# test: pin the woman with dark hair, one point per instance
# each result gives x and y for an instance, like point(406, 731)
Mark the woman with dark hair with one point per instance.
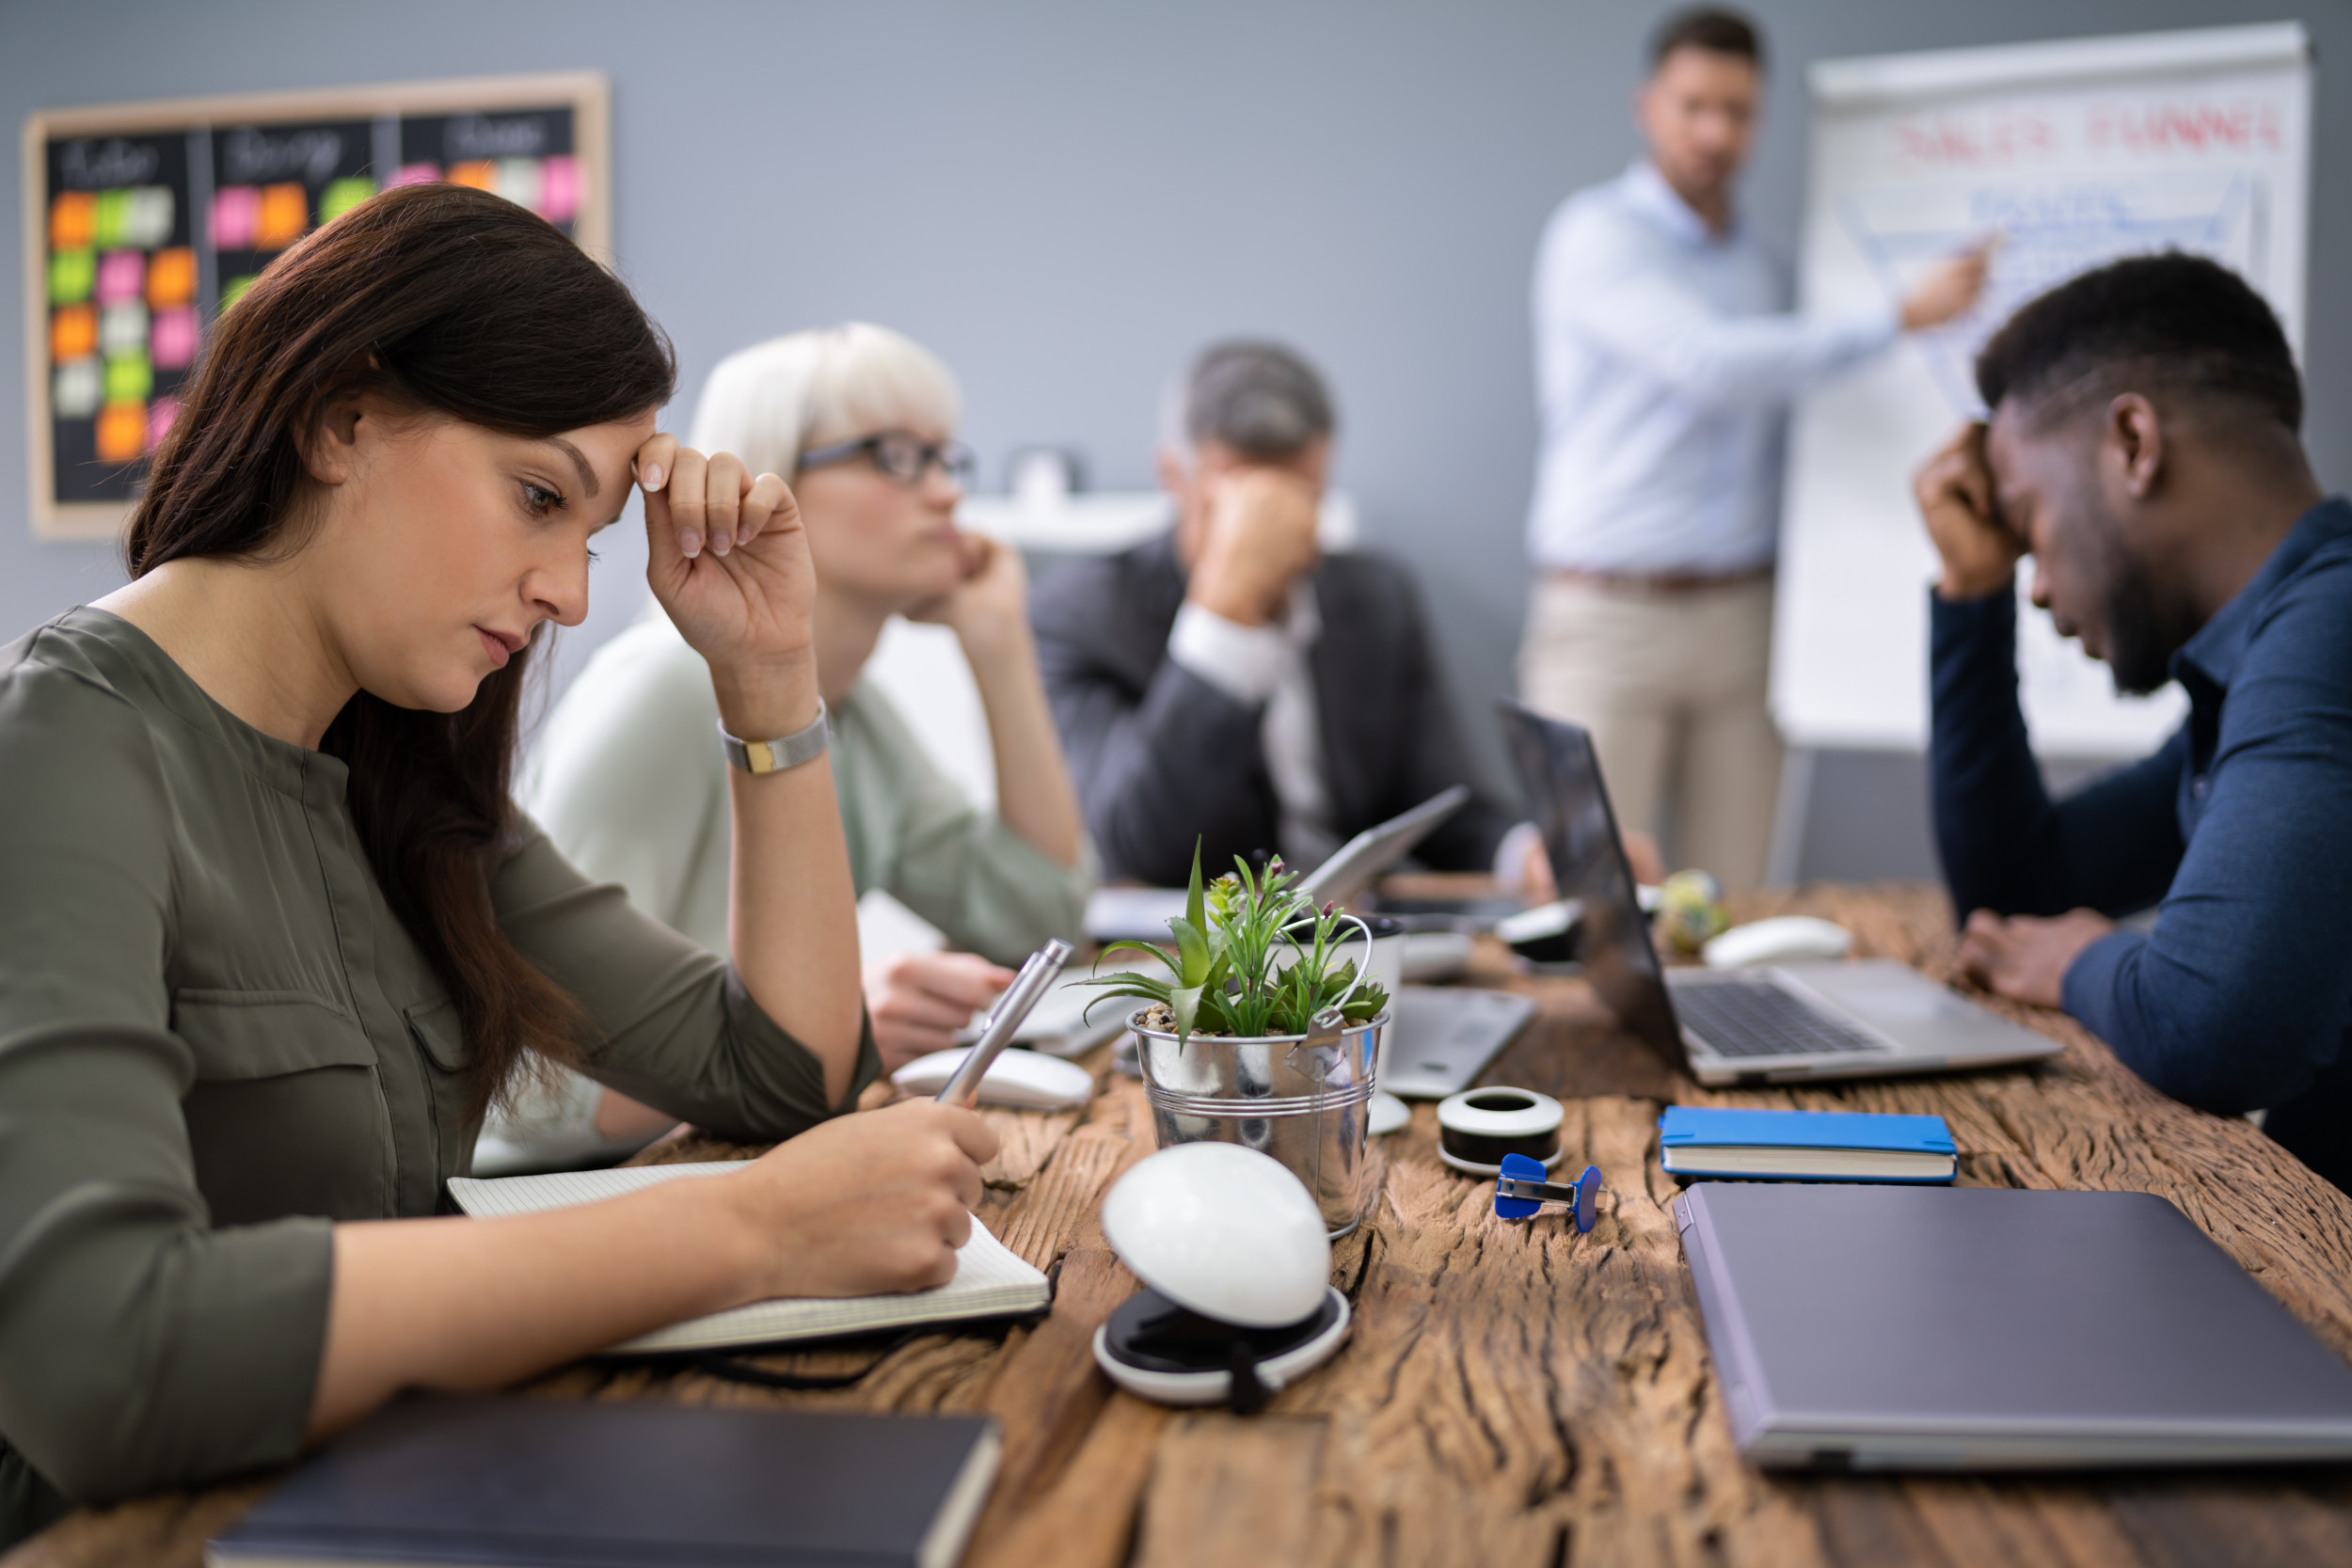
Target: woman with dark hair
point(272, 937)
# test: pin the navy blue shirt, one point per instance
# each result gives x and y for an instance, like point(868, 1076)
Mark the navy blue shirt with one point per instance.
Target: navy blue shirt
point(2238, 830)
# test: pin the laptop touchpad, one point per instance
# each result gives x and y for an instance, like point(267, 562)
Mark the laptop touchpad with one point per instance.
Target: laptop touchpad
point(1883, 991)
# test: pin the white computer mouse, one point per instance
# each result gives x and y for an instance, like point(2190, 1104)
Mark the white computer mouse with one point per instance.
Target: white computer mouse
point(1432, 957)
point(1221, 1230)
point(1779, 940)
point(1555, 919)
point(1021, 1079)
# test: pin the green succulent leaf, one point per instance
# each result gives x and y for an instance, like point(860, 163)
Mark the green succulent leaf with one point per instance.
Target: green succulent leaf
point(1193, 948)
point(1185, 1004)
point(1193, 912)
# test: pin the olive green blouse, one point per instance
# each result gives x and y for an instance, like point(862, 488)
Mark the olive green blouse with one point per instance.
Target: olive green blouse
point(216, 1038)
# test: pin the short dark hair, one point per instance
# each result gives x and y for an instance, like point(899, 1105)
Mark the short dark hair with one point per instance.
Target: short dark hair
point(2171, 323)
point(1258, 398)
point(1708, 27)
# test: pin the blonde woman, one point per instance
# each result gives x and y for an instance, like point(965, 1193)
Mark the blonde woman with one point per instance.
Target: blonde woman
point(626, 779)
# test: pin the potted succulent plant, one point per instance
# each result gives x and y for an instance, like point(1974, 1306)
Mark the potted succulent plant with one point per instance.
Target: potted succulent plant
point(1260, 1033)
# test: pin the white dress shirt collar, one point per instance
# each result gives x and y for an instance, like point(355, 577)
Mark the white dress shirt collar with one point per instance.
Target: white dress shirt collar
point(1270, 665)
point(1648, 193)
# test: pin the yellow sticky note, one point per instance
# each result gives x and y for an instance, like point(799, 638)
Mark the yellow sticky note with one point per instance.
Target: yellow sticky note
point(72, 274)
point(341, 196)
point(130, 378)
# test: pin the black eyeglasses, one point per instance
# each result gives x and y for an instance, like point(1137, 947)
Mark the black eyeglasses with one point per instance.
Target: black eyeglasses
point(903, 457)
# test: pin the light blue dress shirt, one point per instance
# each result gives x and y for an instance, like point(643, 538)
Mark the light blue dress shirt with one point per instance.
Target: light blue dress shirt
point(1665, 362)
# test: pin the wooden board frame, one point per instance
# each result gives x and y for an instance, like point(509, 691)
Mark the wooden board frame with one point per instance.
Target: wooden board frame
point(587, 94)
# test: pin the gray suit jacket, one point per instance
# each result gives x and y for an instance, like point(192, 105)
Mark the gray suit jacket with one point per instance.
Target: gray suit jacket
point(1161, 756)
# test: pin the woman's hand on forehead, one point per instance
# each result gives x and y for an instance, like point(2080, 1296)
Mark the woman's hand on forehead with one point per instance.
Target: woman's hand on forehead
point(727, 554)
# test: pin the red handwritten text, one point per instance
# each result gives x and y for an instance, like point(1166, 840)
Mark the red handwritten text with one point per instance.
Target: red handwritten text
point(1989, 138)
point(2236, 125)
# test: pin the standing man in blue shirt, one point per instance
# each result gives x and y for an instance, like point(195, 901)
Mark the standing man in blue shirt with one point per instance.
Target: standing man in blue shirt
point(1665, 362)
point(2143, 449)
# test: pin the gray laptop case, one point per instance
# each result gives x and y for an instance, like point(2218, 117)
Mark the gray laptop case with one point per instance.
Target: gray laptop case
point(1872, 1327)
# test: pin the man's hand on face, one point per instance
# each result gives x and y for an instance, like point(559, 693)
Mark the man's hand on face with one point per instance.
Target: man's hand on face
point(1954, 489)
point(1261, 539)
point(2025, 957)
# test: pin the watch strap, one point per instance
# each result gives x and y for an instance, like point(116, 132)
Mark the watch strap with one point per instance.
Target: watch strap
point(774, 757)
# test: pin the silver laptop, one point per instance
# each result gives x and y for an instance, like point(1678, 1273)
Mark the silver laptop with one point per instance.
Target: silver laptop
point(1895, 1328)
point(1440, 1037)
point(1862, 1019)
point(1142, 914)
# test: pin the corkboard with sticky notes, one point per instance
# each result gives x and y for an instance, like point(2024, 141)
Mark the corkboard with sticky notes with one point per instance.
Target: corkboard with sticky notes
point(143, 222)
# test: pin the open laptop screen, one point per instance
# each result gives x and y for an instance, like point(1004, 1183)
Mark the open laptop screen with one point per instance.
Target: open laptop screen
point(1353, 866)
point(1561, 778)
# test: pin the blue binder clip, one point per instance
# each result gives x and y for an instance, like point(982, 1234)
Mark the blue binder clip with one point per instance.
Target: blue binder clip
point(1520, 1190)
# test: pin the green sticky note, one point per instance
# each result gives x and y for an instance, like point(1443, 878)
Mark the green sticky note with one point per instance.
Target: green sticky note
point(235, 288)
point(128, 377)
point(114, 217)
point(341, 196)
point(71, 276)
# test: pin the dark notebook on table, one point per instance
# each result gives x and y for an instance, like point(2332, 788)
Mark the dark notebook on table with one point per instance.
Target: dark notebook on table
point(492, 1479)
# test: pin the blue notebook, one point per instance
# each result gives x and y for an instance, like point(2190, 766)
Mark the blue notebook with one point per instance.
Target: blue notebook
point(1805, 1146)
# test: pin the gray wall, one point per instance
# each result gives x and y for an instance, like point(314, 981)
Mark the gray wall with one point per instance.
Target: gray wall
point(1064, 199)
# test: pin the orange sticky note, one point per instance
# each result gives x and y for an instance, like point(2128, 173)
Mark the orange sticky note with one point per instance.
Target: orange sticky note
point(122, 431)
point(73, 333)
point(170, 278)
point(73, 221)
point(285, 218)
point(482, 175)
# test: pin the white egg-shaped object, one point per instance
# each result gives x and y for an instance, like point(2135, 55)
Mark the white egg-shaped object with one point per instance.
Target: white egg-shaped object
point(1222, 1230)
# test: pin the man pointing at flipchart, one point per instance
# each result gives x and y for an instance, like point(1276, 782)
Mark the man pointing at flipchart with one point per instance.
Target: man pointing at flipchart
point(1665, 363)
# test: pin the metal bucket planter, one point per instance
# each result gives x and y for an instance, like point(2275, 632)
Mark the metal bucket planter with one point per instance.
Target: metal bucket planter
point(1303, 1098)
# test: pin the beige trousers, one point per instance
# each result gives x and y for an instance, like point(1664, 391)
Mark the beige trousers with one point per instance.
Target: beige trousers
point(1671, 685)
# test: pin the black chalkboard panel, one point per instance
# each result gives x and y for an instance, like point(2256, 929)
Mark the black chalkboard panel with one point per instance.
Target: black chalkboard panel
point(151, 219)
point(525, 155)
point(273, 184)
point(119, 279)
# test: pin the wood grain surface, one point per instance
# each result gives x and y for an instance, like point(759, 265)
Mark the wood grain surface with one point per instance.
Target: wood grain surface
point(1517, 1394)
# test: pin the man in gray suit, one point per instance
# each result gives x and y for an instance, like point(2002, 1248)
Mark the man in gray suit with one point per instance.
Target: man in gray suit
point(1229, 682)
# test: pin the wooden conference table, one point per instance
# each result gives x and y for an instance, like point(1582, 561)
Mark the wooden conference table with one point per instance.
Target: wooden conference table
point(1517, 1394)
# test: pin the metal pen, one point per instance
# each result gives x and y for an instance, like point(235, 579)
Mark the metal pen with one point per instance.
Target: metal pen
point(1013, 1008)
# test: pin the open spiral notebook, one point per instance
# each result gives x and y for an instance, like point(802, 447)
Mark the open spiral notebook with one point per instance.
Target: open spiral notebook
point(991, 1281)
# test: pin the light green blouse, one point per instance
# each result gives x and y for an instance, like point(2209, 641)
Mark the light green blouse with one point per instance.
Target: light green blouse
point(216, 1039)
point(629, 782)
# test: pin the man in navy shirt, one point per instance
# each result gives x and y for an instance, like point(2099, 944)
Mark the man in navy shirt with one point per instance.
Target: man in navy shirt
point(2143, 449)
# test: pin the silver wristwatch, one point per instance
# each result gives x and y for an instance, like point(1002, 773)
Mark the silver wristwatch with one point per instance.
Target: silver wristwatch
point(774, 757)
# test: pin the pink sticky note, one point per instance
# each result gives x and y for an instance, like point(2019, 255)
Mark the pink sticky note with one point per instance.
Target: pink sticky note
point(416, 174)
point(121, 274)
point(236, 212)
point(171, 339)
point(159, 419)
point(559, 188)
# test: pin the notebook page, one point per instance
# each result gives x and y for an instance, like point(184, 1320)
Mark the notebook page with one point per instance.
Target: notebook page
point(991, 1280)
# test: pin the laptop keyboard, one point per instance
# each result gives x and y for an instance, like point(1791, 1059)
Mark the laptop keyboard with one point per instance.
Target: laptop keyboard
point(1752, 1017)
